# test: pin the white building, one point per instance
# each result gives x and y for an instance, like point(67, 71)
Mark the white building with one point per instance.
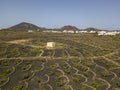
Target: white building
point(47, 31)
point(30, 31)
point(92, 31)
point(102, 32)
point(50, 45)
point(111, 33)
point(53, 31)
point(83, 31)
point(68, 31)
point(108, 32)
point(76, 31)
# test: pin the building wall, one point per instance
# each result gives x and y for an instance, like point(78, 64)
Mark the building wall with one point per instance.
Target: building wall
point(50, 44)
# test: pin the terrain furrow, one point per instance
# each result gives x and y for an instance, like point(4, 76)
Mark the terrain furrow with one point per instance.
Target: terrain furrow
point(76, 70)
point(13, 70)
point(64, 76)
point(116, 89)
point(90, 86)
point(57, 65)
point(115, 75)
point(61, 71)
point(67, 53)
point(26, 85)
point(29, 66)
point(76, 73)
point(20, 62)
point(5, 82)
point(67, 79)
point(70, 87)
point(48, 79)
point(42, 51)
point(117, 64)
point(42, 67)
point(33, 74)
point(51, 88)
point(105, 82)
point(53, 53)
point(101, 67)
point(93, 74)
point(68, 64)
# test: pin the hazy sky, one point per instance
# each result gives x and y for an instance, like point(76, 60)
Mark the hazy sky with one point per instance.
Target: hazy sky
point(104, 14)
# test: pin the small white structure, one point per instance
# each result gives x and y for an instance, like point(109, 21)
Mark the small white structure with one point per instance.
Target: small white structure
point(92, 32)
point(111, 33)
point(38, 29)
point(53, 31)
point(30, 31)
point(76, 31)
point(101, 33)
point(47, 31)
point(50, 45)
point(83, 31)
point(68, 31)
point(108, 32)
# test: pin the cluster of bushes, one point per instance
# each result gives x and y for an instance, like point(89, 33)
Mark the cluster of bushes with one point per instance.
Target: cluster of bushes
point(60, 81)
point(18, 87)
point(5, 73)
point(118, 84)
point(105, 74)
point(95, 85)
point(26, 76)
point(66, 69)
point(76, 78)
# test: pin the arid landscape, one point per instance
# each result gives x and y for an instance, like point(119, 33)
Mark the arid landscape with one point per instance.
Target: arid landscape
point(77, 61)
point(59, 44)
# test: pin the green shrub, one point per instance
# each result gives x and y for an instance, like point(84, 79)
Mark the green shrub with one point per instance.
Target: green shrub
point(66, 69)
point(37, 69)
point(58, 74)
point(25, 76)
point(51, 73)
point(82, 88)
point(1, 82)
point(76, 78)
point(87, 74)
point(5, 73)
point(25, 67)
point(60, 81)
point(105, 74)
point(49, 53)
point(18, 87)
point(84, 69)
point(53, 66)
point(95, 85)
point(5, 63)
point(16, 62)
point(8, 71)
point(40, 88)
point(118, 84)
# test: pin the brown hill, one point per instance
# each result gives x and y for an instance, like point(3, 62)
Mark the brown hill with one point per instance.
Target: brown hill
point(24, 26)
point(69, 27)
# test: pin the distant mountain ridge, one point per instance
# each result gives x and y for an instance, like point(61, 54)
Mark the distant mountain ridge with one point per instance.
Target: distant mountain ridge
point(29, 26)
point(25, 26)
point(92, 29)
point(69, 27)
